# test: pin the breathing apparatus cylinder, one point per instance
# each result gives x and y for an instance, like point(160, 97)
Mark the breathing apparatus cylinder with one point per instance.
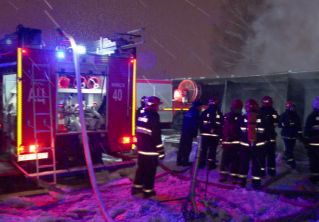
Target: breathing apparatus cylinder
point(252, 125)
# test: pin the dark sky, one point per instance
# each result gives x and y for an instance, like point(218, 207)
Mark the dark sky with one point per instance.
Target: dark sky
point(178, 33)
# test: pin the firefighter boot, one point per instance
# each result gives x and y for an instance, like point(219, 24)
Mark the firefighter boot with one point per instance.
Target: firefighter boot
point(272, 172)
point(256, 184)
point(263, 172)
point(223, 177)
point(212, 165)
point(233, 179)
point(242, 182)
point(137, 192)
point(149, 194)
point(291, 163)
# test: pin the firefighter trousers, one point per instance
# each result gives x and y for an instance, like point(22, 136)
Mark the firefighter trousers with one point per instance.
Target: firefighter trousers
point(289, 152)
point(313, 154)
point(185, 148)
point(253, 153)
point(209, 143)
point(230, 161)
point(269, 159)
point(145, 173)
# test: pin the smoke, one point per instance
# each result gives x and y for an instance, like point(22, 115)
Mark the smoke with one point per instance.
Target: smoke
point(286, 38)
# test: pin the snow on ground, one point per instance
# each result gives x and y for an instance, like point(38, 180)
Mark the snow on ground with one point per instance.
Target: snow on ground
point(80, 205)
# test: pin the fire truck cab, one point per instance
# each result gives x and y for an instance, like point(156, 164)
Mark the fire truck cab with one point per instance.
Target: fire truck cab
point(39, 106)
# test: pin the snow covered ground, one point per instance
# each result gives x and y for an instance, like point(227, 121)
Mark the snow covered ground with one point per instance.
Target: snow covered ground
point(219, 205)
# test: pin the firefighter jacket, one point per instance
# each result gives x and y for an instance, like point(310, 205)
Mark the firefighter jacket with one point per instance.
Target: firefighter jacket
point(290, 123)
point(271, 121)
point(191, 122)
point(311, 132)
point(242, 127)
point(148, 132)
point(140, 110)
point(211, 121)
point(229, 133)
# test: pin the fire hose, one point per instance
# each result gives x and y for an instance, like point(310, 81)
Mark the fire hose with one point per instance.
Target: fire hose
point(93, 82)
point(88, 158)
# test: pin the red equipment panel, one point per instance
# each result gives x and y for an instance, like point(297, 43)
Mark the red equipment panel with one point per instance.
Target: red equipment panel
point(38, 64)
point(119, 100)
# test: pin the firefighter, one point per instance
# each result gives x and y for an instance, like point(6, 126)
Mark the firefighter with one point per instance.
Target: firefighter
point(251, 126)
point(311, 138)
point(271, 117)
point(230, 143)
point(210, 130)
point(290, 123)
point(150, 148)
point(189, 132)
point(141, 108)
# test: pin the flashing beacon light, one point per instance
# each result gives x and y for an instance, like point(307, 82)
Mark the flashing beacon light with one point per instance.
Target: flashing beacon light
point(81, 49)
point(60, 55)
point(177, 94)
point(181, 95)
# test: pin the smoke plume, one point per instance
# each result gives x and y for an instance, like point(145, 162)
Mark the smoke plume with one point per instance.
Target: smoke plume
point(286, 38)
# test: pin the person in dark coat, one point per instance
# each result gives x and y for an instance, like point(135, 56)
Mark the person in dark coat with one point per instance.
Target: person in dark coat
point(141, 108)
point(230, 142)
point(150, 148)
point(252, 140)
point(271, 116)
point(290, 123)
point(311, 139)
point(189, 132)
point(210, 130)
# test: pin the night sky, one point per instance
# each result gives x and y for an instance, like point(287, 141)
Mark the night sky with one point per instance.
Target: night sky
point(177, 33)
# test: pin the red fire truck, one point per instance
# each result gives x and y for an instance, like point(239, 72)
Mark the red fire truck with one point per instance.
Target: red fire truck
point(175, 103)
point(40, 114)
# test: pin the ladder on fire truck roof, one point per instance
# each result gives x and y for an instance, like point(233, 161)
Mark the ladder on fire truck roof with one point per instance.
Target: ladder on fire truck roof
point(40, 83)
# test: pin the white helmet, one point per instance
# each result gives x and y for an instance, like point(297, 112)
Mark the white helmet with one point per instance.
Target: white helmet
point(315, 103)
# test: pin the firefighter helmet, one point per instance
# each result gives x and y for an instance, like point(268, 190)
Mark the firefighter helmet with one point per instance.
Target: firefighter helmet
point(289, 103)
point(267, 101)
point(152, 103)
point(251, 105)
point(143, 100)
point(213, 101)
point(237, 103)
point(315, 103)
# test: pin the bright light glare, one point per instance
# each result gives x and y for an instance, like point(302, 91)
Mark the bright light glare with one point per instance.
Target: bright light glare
point(81, 49)
point(134, 139)
point(61, 55)
point(32, 148)
point(8, 41)
point(126, 140)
